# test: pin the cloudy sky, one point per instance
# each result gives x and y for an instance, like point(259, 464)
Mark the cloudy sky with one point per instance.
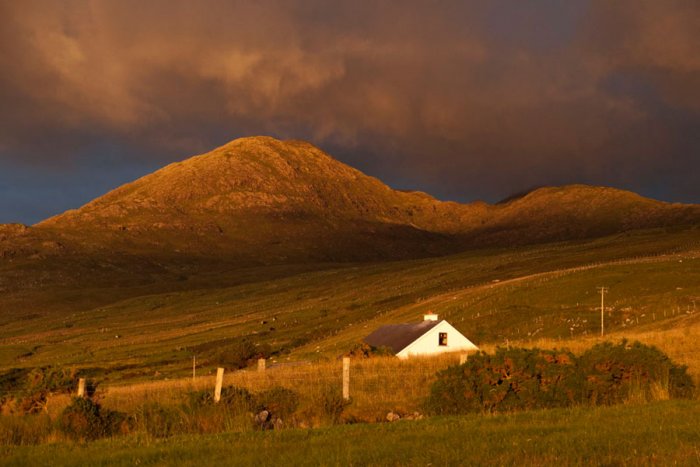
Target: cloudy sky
point(464, 100)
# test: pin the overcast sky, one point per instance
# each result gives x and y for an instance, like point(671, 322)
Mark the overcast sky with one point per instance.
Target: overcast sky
point(464, 100)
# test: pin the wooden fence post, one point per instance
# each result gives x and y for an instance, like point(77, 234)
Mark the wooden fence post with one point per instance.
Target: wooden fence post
point(463, 358)
point(346, 378)
point(81, 387)
point(219, 382)
point(261, 364)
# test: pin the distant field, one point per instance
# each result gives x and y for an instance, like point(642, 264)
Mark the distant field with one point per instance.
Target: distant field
point(656, 301)
point(662, 433)
point(494, 297)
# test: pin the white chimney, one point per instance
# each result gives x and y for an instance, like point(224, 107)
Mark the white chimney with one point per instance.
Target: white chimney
point(430, 316)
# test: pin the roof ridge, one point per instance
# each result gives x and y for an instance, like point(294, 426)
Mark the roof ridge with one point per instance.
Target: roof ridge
point(398, 336)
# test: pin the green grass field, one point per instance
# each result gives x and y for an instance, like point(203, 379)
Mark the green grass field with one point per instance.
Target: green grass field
point(543, 295)
point(492, 296)
point(662, 433)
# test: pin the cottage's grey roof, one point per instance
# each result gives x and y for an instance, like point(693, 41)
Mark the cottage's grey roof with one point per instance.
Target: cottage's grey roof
point(398, 336)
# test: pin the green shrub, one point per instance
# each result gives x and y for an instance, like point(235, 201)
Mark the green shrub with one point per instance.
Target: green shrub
point(237, 354)
point(32, 388)
point(85, 419)
point(614, 371)
point(156, 420)
point(363, 350)
point(200, 398)
point(332, 404)
point(520, 379)
point(508, 380)
point(280, 402)
point(680, 383)
point(233, 397)
point(200, 414)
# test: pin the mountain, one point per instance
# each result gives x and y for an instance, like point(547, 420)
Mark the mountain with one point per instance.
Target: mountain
point(218, 245)
point(259, 200)
point(288, 200)
point(576, 212)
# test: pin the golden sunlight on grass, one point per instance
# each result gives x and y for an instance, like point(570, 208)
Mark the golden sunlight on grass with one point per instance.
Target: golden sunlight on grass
point(382, 384)
point(377, 385)
point(680, 343)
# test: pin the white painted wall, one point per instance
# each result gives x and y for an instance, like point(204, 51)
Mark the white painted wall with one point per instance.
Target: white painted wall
point(428, 343)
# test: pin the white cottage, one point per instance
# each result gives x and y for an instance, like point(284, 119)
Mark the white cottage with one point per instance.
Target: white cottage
point(428, 337)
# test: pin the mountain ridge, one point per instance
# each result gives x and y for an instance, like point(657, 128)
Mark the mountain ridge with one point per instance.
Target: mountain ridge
point(259, 199)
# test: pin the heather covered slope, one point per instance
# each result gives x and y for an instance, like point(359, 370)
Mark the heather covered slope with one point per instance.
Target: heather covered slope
point(576, 212)
point(262, 200)
point(256, 202)
point(259, 202)
point(268, 201)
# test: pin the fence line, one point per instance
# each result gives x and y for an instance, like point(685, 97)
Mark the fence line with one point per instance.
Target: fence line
point(371, 384)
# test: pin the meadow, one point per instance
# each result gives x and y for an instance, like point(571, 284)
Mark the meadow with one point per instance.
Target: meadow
point(138, 347)
point(666, 433)
point(494, 297)
point(378, 385)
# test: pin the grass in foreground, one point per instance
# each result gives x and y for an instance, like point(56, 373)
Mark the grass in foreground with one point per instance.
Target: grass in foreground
point(659, 433)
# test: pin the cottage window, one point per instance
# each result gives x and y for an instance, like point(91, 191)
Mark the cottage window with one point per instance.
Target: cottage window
point(442, 338)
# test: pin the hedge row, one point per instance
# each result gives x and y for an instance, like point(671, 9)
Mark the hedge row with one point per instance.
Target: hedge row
point(520, 379)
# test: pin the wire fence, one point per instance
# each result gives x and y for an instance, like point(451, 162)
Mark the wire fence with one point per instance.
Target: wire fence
point(376, 385)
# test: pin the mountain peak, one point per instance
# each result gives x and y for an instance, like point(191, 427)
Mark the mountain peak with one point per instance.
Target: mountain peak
point(263, 197)
point(255, 191)
point(254, 172)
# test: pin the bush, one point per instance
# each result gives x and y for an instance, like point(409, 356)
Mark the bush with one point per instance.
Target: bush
point(363, 350)
point(508, 380)
point(85, 419)
point(680, 384)
point(332, 404)
point(156, 420)
point(520, 379)
point(235, 398)
point(614, 372)
point(236, 355)
point(279, 402)
point(33, 388)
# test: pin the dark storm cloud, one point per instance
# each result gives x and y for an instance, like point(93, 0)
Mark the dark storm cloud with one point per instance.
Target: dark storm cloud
point(461, 99)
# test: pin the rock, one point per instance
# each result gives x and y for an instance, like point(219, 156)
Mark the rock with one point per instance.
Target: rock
point(413, 416)
point(392, 417)
point(262, 416)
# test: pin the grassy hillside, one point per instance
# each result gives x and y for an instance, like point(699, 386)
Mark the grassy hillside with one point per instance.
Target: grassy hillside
point(661, 433)
point(650, 293)
point(260, 202)
point(490, 295)
point(278, 243)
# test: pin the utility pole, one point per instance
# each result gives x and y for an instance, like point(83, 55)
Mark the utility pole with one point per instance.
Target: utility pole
point(603, 291)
